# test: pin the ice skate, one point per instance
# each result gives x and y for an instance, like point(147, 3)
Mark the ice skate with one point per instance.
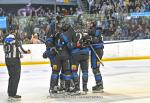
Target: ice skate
point(75, 91)
point(55, 92)
point(62, 86)
point(97, 89)
point(85, 89)
point(14, 98)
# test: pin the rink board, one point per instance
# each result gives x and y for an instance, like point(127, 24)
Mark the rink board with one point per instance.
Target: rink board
point(138, 49)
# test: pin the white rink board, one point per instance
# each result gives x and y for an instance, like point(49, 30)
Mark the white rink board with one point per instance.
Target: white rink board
point(135, 48)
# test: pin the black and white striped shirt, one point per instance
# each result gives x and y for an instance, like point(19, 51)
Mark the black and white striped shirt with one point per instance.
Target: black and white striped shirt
point(13, 49)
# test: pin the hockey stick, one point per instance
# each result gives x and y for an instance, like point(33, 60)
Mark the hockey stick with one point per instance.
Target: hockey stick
point(79, 75)
point(43, 41)
point(111, 43)
point(123, 41)
point(96, 55)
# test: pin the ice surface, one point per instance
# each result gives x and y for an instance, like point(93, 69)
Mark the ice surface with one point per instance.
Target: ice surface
point(124, 82)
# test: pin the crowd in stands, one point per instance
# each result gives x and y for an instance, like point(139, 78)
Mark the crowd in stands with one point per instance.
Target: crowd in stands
point(115, 23)
point(118, 30)
point(121, 6)
point(123, 27)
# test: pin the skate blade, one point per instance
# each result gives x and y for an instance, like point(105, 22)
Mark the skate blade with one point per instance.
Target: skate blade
point(14, 99)
point(57, 95)
point(100, 91)
point(61, 92)
point(84, 93)
point(75, 94)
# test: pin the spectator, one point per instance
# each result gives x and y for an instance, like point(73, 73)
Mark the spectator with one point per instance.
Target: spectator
point(26, 41)
point(41, 13)
point(121, 5)
point(35, 40)
point(103, 8)
point(2, 12)
point(29, 28)
point(130, 7)
point(65, 12)
point(111, 29)
point(71, 12)
point(132, 30)
point(138, 9)
point(91, 5)
point(140, 31)
point(147, 6)
point(119, 31)
point(79, 11)
point(1, 36)
point(147, 31)
point(125, 30)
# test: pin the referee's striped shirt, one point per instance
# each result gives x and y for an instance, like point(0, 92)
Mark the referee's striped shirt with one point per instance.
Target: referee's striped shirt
point(13, 47)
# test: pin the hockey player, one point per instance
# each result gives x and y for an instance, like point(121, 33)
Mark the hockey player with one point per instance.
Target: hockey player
point(97, 44)
point(50, 53)
point(61, 62)
point(79, 56)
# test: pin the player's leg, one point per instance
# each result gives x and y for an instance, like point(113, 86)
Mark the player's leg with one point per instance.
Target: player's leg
point(84, 67)
point(67, 73)
point(54, 76)
point(75, 77)
point(62, 81)
point(95, 64)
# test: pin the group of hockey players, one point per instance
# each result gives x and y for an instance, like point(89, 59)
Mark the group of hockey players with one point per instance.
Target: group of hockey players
point(69, 49)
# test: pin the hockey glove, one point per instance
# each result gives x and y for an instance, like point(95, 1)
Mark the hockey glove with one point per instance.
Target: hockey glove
point(44, 55)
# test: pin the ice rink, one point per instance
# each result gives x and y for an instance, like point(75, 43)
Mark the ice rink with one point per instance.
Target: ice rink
point(124, 82)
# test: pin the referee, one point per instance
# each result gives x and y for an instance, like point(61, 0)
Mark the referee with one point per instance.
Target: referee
point(13, 50)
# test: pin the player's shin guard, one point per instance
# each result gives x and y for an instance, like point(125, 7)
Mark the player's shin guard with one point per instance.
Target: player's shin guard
point(62, 83)
point(53, 83)
point(99, 82)
point(85, 80)
point(76, 87)
point(75, 79)
point(76, 83)
point(67, 83)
